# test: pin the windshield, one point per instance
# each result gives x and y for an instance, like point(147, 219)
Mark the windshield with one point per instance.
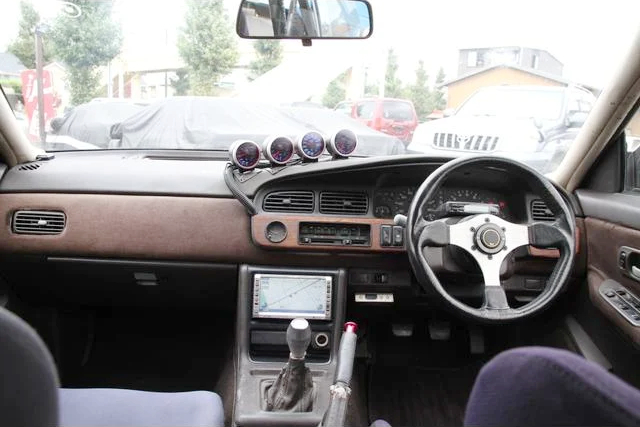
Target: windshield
point(129, 74)
point(514, 103)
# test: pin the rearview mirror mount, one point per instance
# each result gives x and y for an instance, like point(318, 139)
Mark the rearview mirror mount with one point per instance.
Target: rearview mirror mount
point(304, 20)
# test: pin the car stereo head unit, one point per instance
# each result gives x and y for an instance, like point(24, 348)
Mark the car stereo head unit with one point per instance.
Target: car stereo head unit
point(281, 296)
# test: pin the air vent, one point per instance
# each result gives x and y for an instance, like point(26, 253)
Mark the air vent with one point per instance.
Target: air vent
point(38, 222)
point(540, 211)
point(289, 201)
point(337, 202)
point(29, 167)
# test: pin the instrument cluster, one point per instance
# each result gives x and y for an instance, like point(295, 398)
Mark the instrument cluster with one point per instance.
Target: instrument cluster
point(279, 150)
point(388, 202)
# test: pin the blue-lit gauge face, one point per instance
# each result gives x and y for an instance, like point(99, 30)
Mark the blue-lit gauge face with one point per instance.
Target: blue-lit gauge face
point(343, 143)
point(278, 150)
point(311, 145)
point(245, 154)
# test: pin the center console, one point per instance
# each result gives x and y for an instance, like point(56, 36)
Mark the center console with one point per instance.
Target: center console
point(268, 299)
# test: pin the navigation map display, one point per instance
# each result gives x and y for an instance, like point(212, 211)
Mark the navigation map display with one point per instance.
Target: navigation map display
point(289, 296)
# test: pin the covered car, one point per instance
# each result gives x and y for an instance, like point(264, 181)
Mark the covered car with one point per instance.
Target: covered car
point(91, 123)
point(199, 123)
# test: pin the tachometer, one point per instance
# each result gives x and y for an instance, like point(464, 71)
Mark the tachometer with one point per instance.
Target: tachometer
point(343, 143)
point(310, 146)
point(245, 154)
point(278, 149)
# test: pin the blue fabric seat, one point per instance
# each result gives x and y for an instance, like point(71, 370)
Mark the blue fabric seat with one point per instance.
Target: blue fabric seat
point(30, 395)
point(536, 386)
point(99, 407)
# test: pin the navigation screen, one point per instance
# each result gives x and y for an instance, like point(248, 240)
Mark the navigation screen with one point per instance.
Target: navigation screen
point(287, 297)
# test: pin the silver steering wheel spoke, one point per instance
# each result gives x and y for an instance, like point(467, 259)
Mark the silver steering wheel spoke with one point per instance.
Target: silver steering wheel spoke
point(488, 239)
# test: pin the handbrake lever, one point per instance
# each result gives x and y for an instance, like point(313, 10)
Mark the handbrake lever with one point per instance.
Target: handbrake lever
point(340, 390)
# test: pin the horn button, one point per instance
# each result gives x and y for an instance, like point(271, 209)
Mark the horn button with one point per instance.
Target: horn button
point(489, 239)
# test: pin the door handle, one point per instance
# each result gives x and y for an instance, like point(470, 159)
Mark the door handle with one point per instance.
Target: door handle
point(629, 262)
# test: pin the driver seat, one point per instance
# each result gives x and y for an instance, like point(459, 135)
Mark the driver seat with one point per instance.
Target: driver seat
point(30, 393)
point(535, 386)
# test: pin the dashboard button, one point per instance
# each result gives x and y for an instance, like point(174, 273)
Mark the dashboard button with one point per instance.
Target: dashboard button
point(385, 235)
point(398, 235)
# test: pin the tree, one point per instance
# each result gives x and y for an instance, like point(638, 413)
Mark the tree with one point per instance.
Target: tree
point(392, 85)
point(439, 103)
point(269, 55)
point(180, 83)
point(84, 44)
point(336, 91)
point(23, 46)
point(420, 94)
point(207, 45)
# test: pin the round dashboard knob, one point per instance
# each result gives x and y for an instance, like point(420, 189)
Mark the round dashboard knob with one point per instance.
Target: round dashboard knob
point(276, 232)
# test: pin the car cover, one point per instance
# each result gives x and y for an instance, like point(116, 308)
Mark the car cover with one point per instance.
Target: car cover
point(206, 123)
point(91, 122)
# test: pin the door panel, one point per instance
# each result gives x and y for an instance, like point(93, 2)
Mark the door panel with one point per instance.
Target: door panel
point(604, 241)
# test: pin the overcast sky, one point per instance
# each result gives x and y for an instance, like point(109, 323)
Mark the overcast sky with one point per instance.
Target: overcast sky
point(589, 37)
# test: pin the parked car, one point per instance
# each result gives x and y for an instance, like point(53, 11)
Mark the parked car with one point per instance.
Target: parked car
point(169, 124)
point(396, 117)
point(89, 125)
point(533, 124)
point(344, 107)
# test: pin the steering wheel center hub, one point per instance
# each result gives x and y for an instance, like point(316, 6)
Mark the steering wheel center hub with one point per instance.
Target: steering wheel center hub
point(489, 238)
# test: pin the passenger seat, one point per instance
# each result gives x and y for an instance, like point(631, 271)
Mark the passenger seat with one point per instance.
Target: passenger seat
point(30, 395)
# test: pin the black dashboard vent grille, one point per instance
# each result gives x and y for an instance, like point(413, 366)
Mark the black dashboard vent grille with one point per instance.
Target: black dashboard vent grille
point(540, 211)
point(289, 201)
point(339, 202)
point(29, 167)
point(38, 222)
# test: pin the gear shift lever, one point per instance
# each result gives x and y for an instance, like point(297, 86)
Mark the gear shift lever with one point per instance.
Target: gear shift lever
point(293, 390)
point(298, 338)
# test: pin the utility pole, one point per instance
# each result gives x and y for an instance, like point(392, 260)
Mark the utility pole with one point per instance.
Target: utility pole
point(40, 29)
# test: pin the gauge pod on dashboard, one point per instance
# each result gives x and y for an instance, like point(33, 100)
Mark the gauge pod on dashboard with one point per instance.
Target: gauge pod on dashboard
point(245, 154)
point(343, 143)
point(310, 146)
point(278, 149)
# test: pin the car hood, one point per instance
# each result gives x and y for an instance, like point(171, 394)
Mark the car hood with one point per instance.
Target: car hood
point(206, 123)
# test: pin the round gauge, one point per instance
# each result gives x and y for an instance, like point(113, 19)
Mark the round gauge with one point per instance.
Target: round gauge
point(464, 195)
point(382, 211)
point(343, 143)
point(310, 146)
point(245, 154)
point(278, 150)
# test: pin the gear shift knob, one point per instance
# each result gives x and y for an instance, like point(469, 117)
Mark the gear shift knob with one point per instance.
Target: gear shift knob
point(298, 338)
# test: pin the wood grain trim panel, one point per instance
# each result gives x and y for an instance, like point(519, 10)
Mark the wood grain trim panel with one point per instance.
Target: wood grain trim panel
point(148, 227)
point(554, 253)
point(292, 222)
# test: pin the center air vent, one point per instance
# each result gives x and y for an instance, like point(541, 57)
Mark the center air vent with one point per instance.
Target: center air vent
point(540, 211)
point(289, 201)
point(339, 202)
point(38, 222)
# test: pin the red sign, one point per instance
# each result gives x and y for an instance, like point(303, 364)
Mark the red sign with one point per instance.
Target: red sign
point(30, 96)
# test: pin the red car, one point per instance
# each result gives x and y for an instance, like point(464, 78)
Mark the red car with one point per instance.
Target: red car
point(396, 117)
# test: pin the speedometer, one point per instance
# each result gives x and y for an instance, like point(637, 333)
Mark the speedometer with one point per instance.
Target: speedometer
point(464, 195)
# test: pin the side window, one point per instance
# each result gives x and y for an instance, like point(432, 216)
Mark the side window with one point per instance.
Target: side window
point(365, 110)
point(632, 138)
point(586, 101)
point(573, 104)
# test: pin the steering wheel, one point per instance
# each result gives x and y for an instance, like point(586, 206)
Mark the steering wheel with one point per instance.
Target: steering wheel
point(490, 239)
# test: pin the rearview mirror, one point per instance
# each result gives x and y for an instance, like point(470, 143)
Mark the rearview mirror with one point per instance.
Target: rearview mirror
point(304, 19)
